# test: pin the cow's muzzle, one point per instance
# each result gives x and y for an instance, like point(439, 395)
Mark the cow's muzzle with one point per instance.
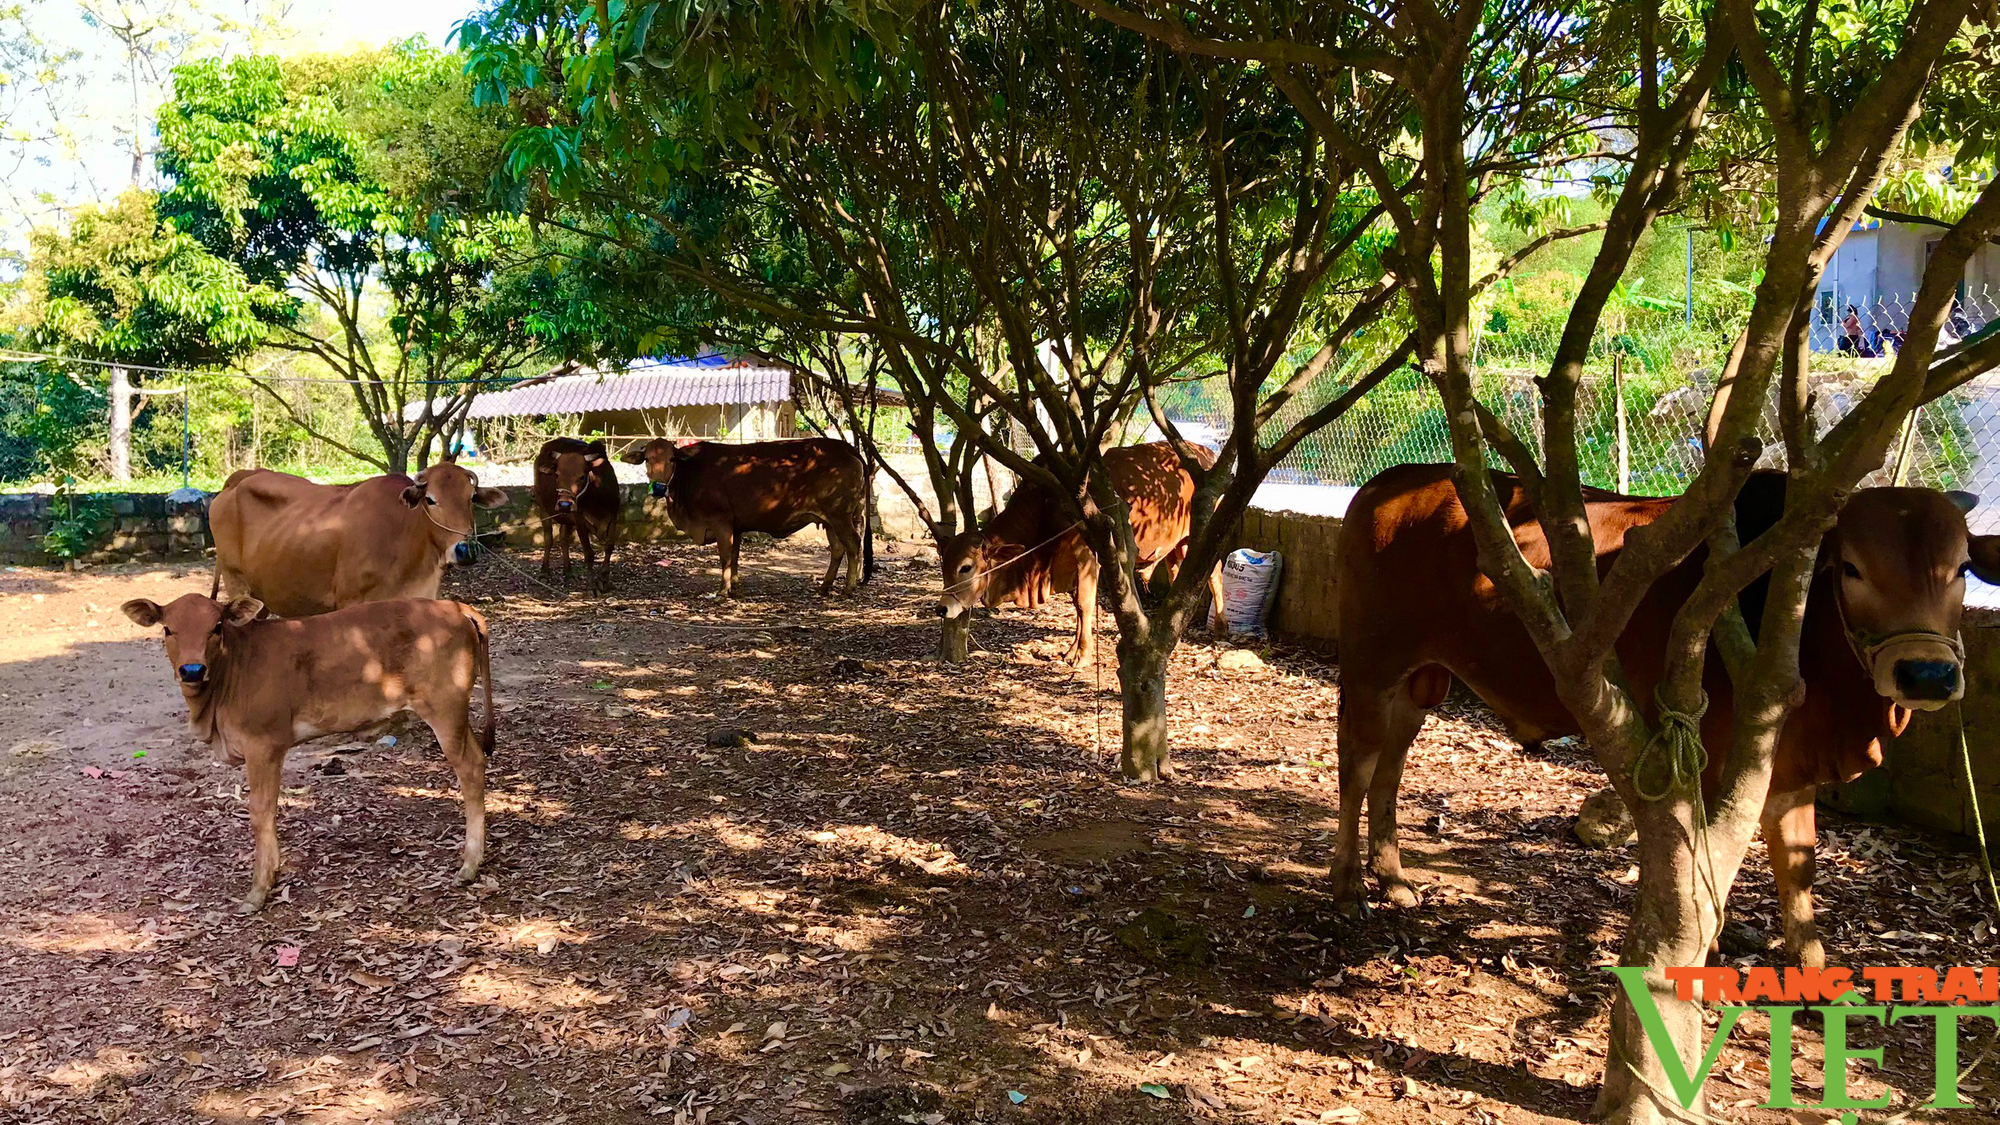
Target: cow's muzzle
point(192, 674)
point(1920, 670)
point(467, 551)
point(659, 490)
point(1926, 681)
point(565, 505)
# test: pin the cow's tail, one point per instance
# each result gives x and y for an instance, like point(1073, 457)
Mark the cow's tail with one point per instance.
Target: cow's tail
point(867, 525)
point(867, 549)
point(482, 667)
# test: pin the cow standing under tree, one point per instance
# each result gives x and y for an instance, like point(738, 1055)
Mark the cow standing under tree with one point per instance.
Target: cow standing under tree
point(259, 687)
point(303, 548)
point(576, 492)
point(717, 492)
point(1025, 550)
point(1880, 640)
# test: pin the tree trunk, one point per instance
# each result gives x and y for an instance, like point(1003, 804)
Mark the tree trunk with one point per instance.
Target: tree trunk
point(121, 421)
point(1142, 683)
point(955, 640)
point(1672, 927)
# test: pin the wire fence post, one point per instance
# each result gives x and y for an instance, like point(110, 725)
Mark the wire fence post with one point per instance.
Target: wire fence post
point(1618, 406)
point(1690, 282)
point(1904, 448)
point(187, 392)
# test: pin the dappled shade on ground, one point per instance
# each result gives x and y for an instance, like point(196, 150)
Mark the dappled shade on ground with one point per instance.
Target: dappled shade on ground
point(918, 892)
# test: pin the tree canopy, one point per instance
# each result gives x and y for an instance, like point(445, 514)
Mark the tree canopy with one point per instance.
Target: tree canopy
point(356, 187)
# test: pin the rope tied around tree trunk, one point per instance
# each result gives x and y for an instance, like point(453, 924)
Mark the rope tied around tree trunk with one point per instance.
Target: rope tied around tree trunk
point(1674, 754)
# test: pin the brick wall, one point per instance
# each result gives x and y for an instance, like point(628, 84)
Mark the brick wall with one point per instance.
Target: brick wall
point(1307, 609)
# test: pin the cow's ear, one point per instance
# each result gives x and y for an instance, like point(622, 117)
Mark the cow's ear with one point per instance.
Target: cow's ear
point(683, 452)
point(634, 456)
point(1985, 551)
point(413, 495)
point(597, 460)
point(1963, 501)
point(142, 611)
point(242, 611)
point(489, 498)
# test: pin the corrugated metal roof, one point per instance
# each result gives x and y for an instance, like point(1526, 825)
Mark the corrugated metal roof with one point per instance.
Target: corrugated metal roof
point(643, 386)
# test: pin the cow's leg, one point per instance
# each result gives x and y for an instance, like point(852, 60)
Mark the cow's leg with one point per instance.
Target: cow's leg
point(610, 541)
point(835, 549)
point(568, 534)
point(853, 550)
point(727, 544)
point(263, 767)
point(452, 724)
point(1377, 724)
point(550, 529)
point(1791, 835)
point(1218, 624)
point(1084, 652)
point(589, 557)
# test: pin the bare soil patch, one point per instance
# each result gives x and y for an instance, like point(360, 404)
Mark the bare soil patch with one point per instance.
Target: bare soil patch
point(919, 894)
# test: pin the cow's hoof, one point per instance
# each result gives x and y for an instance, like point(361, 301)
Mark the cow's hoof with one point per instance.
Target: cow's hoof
point(467, 875)
point(1345, 888)
point(1399, 894)
point(253, 903)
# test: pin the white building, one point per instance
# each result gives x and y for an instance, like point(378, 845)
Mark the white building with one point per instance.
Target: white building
point(1878, 270)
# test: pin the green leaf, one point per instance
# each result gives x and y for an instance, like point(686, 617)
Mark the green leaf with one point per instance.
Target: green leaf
point(1154, 1089)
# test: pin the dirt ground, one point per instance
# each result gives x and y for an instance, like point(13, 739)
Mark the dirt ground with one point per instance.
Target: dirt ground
point(919, 895)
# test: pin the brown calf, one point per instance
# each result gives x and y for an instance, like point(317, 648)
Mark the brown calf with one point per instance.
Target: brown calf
point(1028, 547)
point(1880, 639)
point(303, 548)
point(716, 492)
point(260, 687)
point(576, 492)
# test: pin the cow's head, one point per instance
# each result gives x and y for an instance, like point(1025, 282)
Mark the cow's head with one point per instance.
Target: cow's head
point(660, 457)
point(980, 571)
point(446, 493)
point(193, 626)
point(1899, 558)
point(575, 474)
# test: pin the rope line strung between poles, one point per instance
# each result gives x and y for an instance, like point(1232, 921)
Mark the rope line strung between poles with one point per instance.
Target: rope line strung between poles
point(15, 355)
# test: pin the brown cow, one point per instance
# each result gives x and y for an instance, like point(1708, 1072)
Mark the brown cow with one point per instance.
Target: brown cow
point(1028, 548)
point(1880, 639)
point(304, 548)
point(260, 687)
point(715, 492)
point(576, 491)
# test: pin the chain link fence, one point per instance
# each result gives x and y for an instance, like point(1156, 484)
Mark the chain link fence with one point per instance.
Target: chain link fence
point(1641, 406)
